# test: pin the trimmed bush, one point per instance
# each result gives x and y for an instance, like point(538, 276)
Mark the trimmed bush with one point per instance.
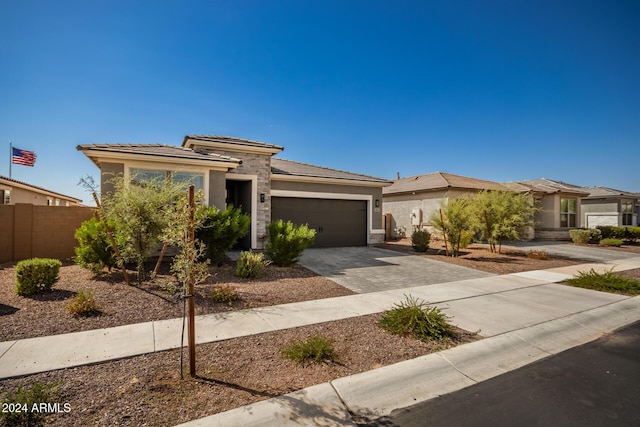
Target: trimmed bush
point(224, 294)
point(83, 304)
point(315, 349)
point(611, 232)
point(94, 251)
point(25, 397)
point(287, 241)
point(416, 319)
point(36, 275)
point(611, 242)
point(632, 234)
point(580, 236)
point(420, 240)
point(250, 264)
point(221, 230)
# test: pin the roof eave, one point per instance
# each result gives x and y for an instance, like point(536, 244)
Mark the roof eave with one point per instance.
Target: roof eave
point(325, 180)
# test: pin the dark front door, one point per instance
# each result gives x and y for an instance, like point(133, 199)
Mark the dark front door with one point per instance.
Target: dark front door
point(239, 196)
point(337, 222)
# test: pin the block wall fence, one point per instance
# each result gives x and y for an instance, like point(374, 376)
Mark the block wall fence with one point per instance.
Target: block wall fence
point(29, 231)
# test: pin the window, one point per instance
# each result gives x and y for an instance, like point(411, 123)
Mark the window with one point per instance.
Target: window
point(141, 175)
point(568, 213)
point(5, 197)
point(627, 213)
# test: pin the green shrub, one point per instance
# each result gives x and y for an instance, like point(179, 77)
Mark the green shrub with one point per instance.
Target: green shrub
point(315, 349)
point(36, 275)
point(596, 235)
point(221, 230)
point(611, 232)
point(224, 294)
point(605, 282)
point(94, 251)
point(611, 242)
point(250, 264)
point(420, 240)
point(580, 236)
point(83, 304)
point(632, 234)
point(538, 254)
point(287, 241)
point(416, 319)
point(25, 398)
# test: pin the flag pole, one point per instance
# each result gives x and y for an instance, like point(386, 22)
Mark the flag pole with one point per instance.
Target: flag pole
point(10, 157)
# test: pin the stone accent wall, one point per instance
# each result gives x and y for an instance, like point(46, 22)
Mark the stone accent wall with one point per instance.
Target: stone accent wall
point(550, 234)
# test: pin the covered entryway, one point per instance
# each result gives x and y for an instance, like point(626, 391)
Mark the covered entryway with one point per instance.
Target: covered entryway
point(337, 222)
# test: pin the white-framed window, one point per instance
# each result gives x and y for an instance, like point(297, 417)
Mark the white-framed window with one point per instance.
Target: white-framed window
point(627, 213)
point(5, 197)
point(568, 210)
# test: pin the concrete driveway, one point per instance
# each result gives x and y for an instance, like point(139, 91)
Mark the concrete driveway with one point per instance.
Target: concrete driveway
point(569, 250)
point(368, 269)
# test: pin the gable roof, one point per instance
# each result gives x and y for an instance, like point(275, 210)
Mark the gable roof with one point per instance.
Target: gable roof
point(546, 186)
point(168, 152)
point(281, 168)
point(602, 192)
point(25, 186)
point(440, 181)
point(229, 143)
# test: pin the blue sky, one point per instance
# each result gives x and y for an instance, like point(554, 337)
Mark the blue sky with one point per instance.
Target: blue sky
point(500, 90)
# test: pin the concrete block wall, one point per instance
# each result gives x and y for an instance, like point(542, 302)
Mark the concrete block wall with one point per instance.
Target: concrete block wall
point(40, 231)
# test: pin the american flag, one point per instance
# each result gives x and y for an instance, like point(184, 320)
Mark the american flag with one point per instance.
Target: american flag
point(23, 157)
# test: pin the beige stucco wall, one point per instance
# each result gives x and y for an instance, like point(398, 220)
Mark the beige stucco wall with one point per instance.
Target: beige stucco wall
point(21, 195)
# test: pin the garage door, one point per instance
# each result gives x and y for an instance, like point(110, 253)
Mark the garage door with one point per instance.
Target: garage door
point(337, 222)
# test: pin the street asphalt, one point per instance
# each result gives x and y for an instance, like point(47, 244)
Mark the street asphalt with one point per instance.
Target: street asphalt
point(596, 384)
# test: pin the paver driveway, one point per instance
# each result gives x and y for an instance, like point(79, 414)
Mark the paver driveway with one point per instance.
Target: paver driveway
point(367, 269)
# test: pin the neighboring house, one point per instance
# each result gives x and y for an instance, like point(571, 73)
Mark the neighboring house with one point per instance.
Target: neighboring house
point(343, 207)
point(411, 201)
point(559, 204)
point(13, 191)
point(608, 206)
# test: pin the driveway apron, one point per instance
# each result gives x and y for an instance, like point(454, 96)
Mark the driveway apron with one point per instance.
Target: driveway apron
point(367, 269)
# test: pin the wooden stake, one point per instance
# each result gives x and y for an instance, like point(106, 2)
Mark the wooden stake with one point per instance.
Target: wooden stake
point(192, 307)
point(113, 241)
point(155, 270)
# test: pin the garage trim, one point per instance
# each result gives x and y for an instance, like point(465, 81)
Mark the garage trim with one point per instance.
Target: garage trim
point(337, 196)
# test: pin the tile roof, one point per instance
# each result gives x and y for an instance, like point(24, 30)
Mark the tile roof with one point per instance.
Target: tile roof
point(547, 186)
point(600, 192)
point(231, 140)
point(38, 189)
point(289, 167)
point(161, 150)
point(439, 181)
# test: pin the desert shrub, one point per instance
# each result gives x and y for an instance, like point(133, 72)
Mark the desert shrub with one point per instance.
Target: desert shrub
point(420, 240)
point(36, 275)
point(611, 242)
point(224, 294)
point(23, 399)
point(221, 230)
point(415, 318)
point(250, 264)
point(315, 349)
point(83, 304)
point(605, 282)
point(580, 236)
point(287, 241)
point(611, 232)
point(94, 251)
point(596, 235)
point(538, 254)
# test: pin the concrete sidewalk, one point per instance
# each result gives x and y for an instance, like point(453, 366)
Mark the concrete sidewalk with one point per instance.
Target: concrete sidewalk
point(525, 316)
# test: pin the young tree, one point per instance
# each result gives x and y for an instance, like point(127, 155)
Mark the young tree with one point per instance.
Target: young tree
point(454, 220)
point(502, 215)
point(139, 208)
